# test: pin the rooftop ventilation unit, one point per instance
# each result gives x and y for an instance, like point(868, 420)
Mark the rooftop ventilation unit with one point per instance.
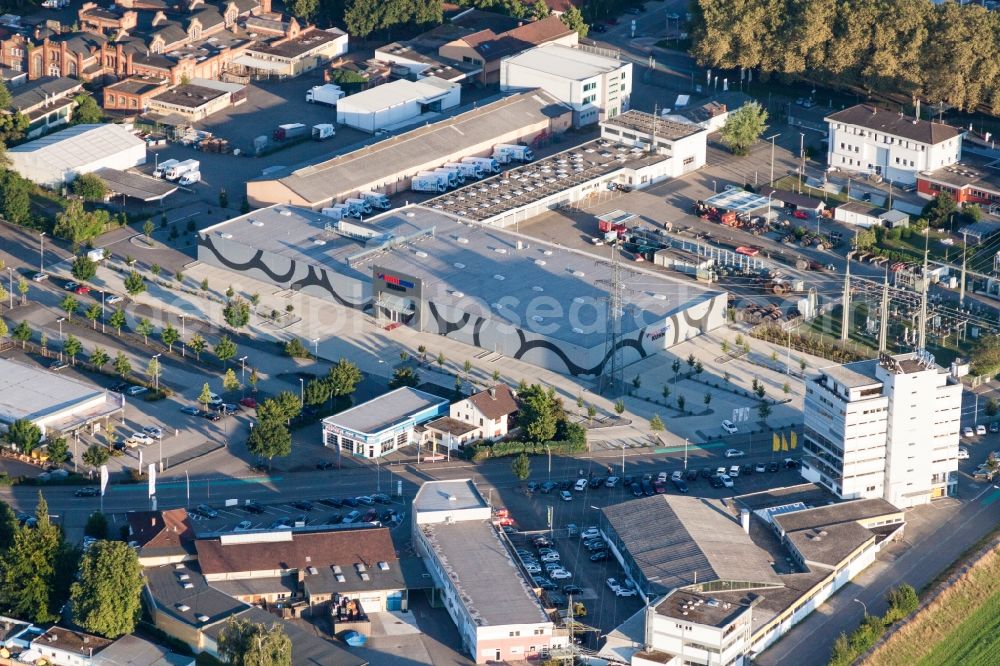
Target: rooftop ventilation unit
point(537, 288)
point(540, 262)
point(459, 265)
point(365, 577)
point(499, 277)
point(457, 294)
point(183, 608)
point(384, 566)
point(312, 571)
point(256, 223)
point(286, 213)
point(421, 254)
point(187, 585)
point(336, 569)
point(201, 617)
point(462, 240)
point(225, 235)
point(360, 567)
point(340, 578)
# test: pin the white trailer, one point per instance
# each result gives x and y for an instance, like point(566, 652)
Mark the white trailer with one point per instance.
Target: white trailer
point(513, 151)
point(377, 200)
point(454, 176)
point(469, 170)
point(428, 182)
point(327, 94)
point(181, 168)
point(163, 167)
point(322, 131)
point(487, 163)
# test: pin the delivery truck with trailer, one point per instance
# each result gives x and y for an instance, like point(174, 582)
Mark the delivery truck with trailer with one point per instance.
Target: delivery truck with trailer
point(358, 207)
point(425, 181)
point(322, 132)
point(163, 167)
point(505, 152)
point(181, 168)
point(467, 169)
point(488, 164)
point(452, 175)
point(377, 200)
point(289, 131)
point(328, 94)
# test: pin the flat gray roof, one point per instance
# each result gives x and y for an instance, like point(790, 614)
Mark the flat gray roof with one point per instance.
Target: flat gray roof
point(31, 393)
point(700, 608)
point(385, 411)
point(647, 123)
point(460, 263)
point(565, 61)
point(435, 496)
point(853, 375)
point(678, 541)
point(830, 544)
point(483, 570)
point(841, 512)
point(526, 184)
point(135, 185)
point(320, 182)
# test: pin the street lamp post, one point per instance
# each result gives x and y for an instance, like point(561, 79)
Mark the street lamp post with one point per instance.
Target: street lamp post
point(302, 391)
point(685, 454)
point(549, 451)
point(102, 311)
point(10, 271)
point(315, 342)
point(41, 252)
point(60, 321)
point(862, 605)
point(156, 374)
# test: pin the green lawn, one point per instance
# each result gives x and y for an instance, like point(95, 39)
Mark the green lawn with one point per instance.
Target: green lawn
point(976, 640)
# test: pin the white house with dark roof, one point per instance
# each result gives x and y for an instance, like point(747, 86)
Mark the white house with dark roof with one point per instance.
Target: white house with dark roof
point(483, 415)
point(868, 140)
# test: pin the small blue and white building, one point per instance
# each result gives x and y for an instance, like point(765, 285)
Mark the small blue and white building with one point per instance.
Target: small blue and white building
point(383, 424)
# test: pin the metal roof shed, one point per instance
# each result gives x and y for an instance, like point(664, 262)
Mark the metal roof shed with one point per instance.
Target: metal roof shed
point(59, 158)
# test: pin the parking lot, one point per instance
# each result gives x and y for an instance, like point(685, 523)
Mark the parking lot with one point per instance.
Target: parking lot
point(530, 510)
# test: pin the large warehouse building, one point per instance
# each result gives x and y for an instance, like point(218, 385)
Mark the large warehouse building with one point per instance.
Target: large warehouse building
point(57, 159)
point(51, 401)
point(426, 269)
point(397, 103)
point(388, 166)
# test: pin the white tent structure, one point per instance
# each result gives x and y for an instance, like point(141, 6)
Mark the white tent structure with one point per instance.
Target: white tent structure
point(58, 158)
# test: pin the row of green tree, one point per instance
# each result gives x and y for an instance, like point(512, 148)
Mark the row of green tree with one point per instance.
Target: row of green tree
point(902, 601)
point(40, 571)
point(914, 48)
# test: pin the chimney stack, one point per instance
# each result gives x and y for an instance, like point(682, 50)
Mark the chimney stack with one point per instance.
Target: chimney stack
point(493, 392)
point(745, 520)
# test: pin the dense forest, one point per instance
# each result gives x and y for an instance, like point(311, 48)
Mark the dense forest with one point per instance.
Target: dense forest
point(905, 48)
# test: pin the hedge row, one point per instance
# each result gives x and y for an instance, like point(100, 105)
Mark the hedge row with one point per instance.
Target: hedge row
point(504, 449)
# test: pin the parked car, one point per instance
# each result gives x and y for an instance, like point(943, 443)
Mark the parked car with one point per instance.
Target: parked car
point(114, 298)
point(560, 574)
point(566, 495)
point(726, 480)
point(335, 518)
point(967, 431)
point(637, 490)
point(153, 431)
point(647, 488)
point(365, 499)
point(371, 515)
point(661, 477)
point(39, 277)
point(963, 453)
point(352, 517)
point(590, 533)
point(572, 589)
point(772, 467)
point(792, 463)
point(625, 592)
point(192, 411)
point(729, 427)
point(734, 453)
point(611, 482)
point(532, 568)
point(136, 390)
point(613, 584)
point(800, 215)
point(548, 487)
point(89, 491)
point(70, 286)
point(351, 502)
point(980, 429)
point(242, 526)
point(249, 403)
point(211, 416)
point(715, 482)
point(580, 485)
point(760, 468)
point(995, 427)
point(207, 511)
point(681, 486)
point(692, 475)
point(599, 556)
point(224, 407)
point(532, 486)
point(550, 557)
point(381, 498)
point(252, 506)
point(545, 583)
point(82, 290)
point(58, 364)
point(303, 505)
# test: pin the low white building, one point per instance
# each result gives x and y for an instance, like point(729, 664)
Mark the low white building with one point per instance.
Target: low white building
point(489, 598)
point(397, 102)
point(868, 140)
point(685, 143)
point(698, 630)
point(57, 159)
point(885, 428)
point(595, 86)
point(865, 215)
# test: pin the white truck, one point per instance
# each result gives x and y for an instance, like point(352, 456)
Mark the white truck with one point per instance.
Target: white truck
point(377, 200)
point(454, 176)
point(181, 168)
point(322, 132)
point(337, 211)
point(163, 167)
point(426, 181)
point(488, 164)
point(359, 207)
point(505, 152)
point(469, 170)
point(328, 94)
point(190, 178)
